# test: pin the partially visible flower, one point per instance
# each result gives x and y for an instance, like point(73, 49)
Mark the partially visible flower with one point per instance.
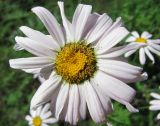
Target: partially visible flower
point(41, 116)
point(146, 46)
point(80, 63)
point(155, 104)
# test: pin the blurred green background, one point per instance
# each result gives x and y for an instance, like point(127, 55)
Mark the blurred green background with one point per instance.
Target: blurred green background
point(17, 87)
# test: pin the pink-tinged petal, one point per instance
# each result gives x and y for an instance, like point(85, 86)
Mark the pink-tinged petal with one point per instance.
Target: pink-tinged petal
point(50, 23)
point(102, 24)
point(40, 37)
point(111, 39)
point(94, 105)
point(62, 98)
point(66, 23)
point(130, 39)
point(105, 100)
point(82, 104)
point(155, 95)
point(116, 89)
point(149, 55)
point(72, 115)
point(30, 63)
point(142, 57)
point(80, 18)
point(135, 34)
point(34, 47)
point(45, 91)
point(92, 19)
point(146, 35)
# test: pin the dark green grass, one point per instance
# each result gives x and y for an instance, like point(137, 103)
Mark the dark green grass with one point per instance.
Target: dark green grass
point(17, 87)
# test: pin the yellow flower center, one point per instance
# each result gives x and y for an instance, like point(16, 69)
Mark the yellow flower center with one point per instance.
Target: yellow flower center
point(141, 40)
point(76, 62)
point(37, 121)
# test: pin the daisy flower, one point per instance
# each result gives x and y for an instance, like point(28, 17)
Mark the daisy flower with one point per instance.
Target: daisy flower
point(82, 68)
point(41, 116)
point(155, 104)
point(147, 45)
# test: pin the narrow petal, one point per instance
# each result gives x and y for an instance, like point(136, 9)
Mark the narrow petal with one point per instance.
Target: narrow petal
point(149, 55)
point(28, 118)
point(129, 53)
point(142, 56)
point(115, 88)
point(50, 23)
point(45, 109)
point(92, 19)
point(94, 105)
point(30, 63)
point(45, 91)
point(153, 50)
point(61, 100)
point(155, 102)
point(17, 47)
point(40, 37)
point(73, 105)
point(34, 47)
point(155, 95)
point(130, 39)
point(43, 124)
point(135, 34)
point(155, 41)
point(46, 115)
point(67, 25)
point(112, 39)
point(82, 104)
point(154, 107)
point(50, 120)
point(158, 116)
point(80, 19)
point(155, 46)
point(146, 35)
point(102, 24)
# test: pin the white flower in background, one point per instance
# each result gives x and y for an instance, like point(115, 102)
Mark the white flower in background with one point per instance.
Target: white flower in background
point(41, 116)
point(155, 104)
point(147, 45)
point(82, 68)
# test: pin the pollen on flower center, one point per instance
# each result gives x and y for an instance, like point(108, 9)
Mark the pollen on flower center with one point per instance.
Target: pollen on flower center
point(37, 121)
point(141, 40)
point(76, 62)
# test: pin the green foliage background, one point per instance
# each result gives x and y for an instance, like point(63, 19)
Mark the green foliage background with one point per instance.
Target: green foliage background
point(17, 87)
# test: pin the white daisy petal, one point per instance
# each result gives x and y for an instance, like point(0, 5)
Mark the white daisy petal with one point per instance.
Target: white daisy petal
point(156, 41)
point(149, 55)
point(17, 47)
point(45, 91)
point(28, 118)
point(142, 56)
point(92, 19)
point(94, 106)
point(61, 99)
point(155, 95)
point(45, 109)
point(73, 105)
point(38, 110)
point(82, 105)
point(67, 25)
point(30, 63)
point(51, 24)
point(155, 102)
point(34, 47)
point(131, 39)
point(46, 115)
point(146, 35)
point(102, 24)
point(50, 120)
point(33, 112)
point(80, 19)
point(135, 34)
point(153, 50)
point(155, 46)
point(154, 107)
point(129, 53)
point(40, 37)
point(112, 39)
point(44, 124)
point(114, 88)
point(158, 116)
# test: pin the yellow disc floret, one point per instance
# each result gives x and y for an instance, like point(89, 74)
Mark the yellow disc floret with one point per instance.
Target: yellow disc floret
point(76, 62)
point(141, 40)
point(37, 121)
